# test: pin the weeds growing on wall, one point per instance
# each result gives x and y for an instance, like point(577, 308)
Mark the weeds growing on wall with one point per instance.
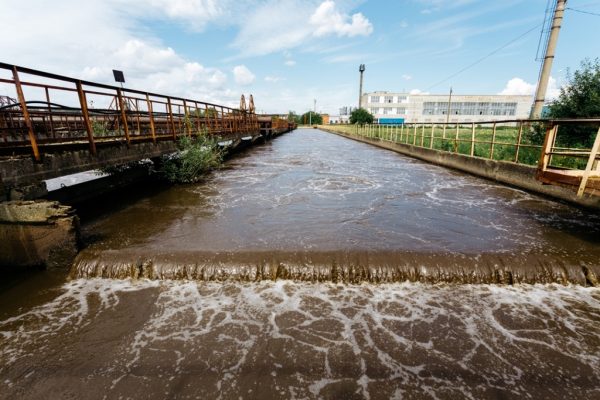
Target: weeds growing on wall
point(196, 156)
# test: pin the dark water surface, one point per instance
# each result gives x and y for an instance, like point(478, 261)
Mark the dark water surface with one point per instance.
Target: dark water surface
point(344, 271)
point(315, 206)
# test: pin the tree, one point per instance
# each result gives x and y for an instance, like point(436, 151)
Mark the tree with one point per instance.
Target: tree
point(361, 116)
point(579, 98)
point(293, 117)
point(312, 118)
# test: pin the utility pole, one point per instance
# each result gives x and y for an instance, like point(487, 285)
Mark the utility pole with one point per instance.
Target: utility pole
point(542, 86)
point(361, 69)
point(449, 103)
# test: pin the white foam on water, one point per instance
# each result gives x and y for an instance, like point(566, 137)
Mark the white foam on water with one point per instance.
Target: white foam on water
point(68, 311)
point(484, 336)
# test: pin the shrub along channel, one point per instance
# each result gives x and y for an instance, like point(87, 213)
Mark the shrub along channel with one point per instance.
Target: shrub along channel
point(196, 156)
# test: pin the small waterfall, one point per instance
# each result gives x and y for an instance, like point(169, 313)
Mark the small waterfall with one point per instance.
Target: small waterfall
point(337, 267)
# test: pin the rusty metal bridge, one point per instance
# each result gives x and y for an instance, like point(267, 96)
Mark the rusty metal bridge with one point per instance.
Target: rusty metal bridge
point(45, 116)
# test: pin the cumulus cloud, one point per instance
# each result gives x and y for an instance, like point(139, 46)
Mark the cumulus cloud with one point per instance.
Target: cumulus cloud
point(418, 91)
point(290, 63)
point(292, 23)
point(517, 86)
point(88, 42)
point(406, 77)
point(327, 20)
point(242, 75)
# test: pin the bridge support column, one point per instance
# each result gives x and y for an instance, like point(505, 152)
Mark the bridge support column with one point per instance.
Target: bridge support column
point(37, 233)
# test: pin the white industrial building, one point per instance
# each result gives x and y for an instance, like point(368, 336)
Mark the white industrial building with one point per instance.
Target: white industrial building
point(394, 108)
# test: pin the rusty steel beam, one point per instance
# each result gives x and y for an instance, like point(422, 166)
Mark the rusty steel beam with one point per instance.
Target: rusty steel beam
point(54, 126)
point(26, 117)
point(86, 117)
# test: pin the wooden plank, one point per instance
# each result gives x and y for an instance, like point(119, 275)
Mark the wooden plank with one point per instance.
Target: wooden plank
point(590, 165)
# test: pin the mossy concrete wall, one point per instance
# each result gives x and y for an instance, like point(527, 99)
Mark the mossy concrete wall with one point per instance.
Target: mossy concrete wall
point(37, 233)
point(21, 177)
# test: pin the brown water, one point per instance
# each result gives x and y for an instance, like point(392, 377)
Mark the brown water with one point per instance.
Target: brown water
point(314, 206)
point(345, 272)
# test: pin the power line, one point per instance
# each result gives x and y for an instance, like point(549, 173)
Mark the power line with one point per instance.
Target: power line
point(546, 25)
point(583, 12)
point(485, 57)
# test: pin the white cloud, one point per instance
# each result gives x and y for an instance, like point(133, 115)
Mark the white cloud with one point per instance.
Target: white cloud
point(406, 77)
point(242, 75)
point(195, 14)
point(517, 86)
point(327, 20)
point(290, 63)
point(417, 91)
point(88, 42)
point(292, 23)
point(273, 79)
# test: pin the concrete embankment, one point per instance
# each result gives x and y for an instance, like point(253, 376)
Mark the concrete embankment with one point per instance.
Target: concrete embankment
point(37, 233)
point(45, 233)
point(517, 175)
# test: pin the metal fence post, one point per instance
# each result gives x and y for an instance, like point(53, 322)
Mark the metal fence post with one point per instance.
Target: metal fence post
point(123, 115)
point(493, 141)
point(151, 118)
point(86, 117)
point(26, 116)
point(171, 122)
point(432, 134)
point(519, 141)
point(472, 139)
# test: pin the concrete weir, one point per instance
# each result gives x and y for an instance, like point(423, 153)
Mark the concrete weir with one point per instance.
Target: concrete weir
point(37, 233)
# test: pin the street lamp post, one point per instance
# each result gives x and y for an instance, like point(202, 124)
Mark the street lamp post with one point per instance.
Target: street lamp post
point(361, 69)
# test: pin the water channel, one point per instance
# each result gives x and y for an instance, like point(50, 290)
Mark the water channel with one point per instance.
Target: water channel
point(317, 267)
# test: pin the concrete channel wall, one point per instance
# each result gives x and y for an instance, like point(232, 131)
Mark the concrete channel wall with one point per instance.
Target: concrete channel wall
point(43, 233)
point(517, 175)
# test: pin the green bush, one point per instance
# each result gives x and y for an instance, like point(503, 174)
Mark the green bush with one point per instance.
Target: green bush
point(361, 116)
point(196, 156)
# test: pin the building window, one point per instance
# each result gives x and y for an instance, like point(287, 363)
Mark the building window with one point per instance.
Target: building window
point(469, 108)
point(387, 111)
point(401, 110)
point(402, 99)
point(374, 99)
point(389, 99)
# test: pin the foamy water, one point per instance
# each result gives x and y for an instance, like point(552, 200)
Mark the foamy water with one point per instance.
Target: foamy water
point(313, 192)
point(316, 267)
point(295, 340)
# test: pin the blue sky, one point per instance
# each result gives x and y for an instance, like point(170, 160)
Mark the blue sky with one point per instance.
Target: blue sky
point(289, 52)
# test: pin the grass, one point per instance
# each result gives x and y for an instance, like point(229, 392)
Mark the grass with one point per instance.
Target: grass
point(457, 141)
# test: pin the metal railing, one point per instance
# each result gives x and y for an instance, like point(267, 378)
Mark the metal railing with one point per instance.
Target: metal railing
point(567, 166)
point(517, 141)
point(53, 110)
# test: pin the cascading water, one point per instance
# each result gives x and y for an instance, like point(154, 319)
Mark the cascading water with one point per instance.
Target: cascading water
point(317, 207)
point(318, 267)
